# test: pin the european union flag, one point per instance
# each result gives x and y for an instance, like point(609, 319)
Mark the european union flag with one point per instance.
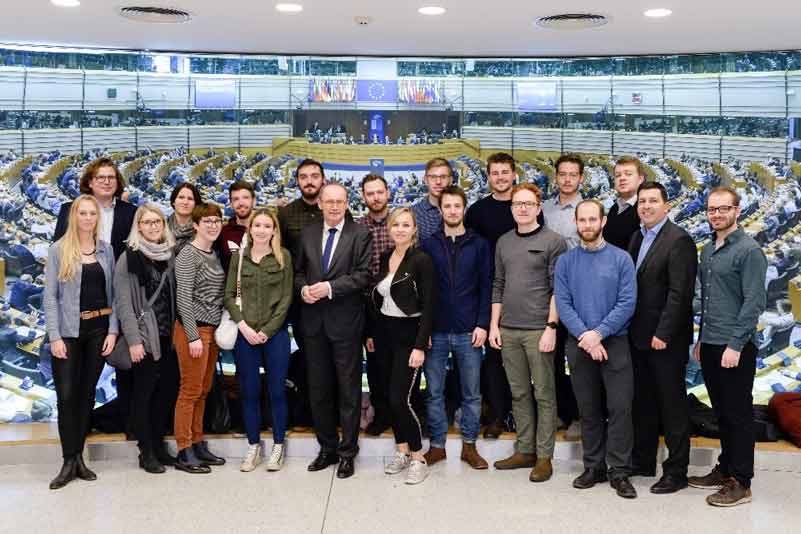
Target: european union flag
point(377, 91)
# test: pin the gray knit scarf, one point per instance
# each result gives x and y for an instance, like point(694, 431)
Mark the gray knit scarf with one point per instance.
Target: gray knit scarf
point(155, 251)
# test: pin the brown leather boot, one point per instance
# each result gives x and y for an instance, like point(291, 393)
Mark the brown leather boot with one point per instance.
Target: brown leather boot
point(434, 455)
point(472, 457)
point(518, 460)
point(542, 470)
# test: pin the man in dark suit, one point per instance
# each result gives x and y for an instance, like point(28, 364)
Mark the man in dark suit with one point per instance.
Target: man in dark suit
point(103, 180)
point(622, 221)
point(660, 334)
point(332, 271)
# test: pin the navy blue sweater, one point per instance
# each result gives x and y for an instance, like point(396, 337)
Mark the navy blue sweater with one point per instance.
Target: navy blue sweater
point(596, 290)
point(464, 272)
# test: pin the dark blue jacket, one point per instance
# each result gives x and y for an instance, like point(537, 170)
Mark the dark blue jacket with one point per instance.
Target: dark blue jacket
point(464, 272)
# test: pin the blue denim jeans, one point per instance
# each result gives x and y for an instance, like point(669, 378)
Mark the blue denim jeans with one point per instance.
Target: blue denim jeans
point(468, 362)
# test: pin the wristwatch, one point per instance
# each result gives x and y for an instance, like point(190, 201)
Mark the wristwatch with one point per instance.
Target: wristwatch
point(551, 325)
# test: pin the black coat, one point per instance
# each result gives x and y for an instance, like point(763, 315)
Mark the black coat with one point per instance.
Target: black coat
point(123, 222)
point(665, 288)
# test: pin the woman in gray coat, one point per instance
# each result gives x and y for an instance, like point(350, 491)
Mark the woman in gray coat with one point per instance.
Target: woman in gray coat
point(145, 271)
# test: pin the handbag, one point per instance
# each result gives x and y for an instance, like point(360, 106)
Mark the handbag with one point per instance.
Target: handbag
point(217, 416)
point(225, 334)
point(120, 357)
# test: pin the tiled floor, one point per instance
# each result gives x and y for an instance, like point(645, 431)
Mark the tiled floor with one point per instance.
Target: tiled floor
point(454, 499)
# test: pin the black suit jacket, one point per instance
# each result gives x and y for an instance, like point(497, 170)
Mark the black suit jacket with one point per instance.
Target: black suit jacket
point(665, 287)
point(120, 229)
point(341, 317)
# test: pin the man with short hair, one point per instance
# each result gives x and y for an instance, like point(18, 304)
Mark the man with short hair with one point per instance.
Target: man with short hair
point(426, 211)
point(660, 333)
point(242, 198)
point(622, 221)
point(596, 290)
point(301, 212)
point(462, 261)
point(332, 272)
point(523, 327)
point(731, 276)
point(375, 194)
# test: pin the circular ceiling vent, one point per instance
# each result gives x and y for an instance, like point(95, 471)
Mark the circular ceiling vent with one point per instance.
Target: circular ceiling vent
point(572, 21)
point(153, 14)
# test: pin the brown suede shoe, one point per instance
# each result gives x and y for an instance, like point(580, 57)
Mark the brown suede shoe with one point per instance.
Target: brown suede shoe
point(518, 460)
point(731, 494)
point(434, 455)
point(542, 470)
point(472, 457)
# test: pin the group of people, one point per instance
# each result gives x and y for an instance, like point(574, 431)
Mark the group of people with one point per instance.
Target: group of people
point(512, 289)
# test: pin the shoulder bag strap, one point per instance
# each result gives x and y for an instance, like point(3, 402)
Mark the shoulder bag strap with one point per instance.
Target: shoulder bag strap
point(156, 293)
point(242, 246)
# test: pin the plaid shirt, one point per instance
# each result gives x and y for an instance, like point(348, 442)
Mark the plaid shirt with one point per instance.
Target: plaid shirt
point(429, 218)
point(381, 240)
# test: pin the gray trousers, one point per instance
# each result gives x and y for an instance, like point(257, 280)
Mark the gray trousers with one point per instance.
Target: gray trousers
point(526, 365)
point(605, 442)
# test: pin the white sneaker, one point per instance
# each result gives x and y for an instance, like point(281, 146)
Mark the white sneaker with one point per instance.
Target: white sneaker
point(398, 463)
point(252, 458)
point(276, 459)
point(418, 472)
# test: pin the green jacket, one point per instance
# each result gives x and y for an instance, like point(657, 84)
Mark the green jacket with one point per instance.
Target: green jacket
point(266, 292)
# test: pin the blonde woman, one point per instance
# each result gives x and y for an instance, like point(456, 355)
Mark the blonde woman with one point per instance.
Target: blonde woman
point(81, 325)
point(145, 262)
point(263, 341)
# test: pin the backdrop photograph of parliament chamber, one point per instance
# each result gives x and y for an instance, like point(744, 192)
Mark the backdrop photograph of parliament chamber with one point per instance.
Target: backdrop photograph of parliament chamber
point(696, 121)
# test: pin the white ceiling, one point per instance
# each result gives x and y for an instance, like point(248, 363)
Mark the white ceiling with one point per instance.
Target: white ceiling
point(501, 28)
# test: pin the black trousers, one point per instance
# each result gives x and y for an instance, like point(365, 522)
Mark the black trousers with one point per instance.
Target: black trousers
point(378, 374)
point(660, 400)
point(566, 406)
point(394, 345)
point(75, 380)
point(730, 390)
point(154, 395)
point(334, 369)
point(606, 442)
point(494, 384)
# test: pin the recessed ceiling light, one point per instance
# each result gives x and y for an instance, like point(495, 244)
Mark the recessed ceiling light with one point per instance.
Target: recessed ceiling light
point(66, 3)
point(658, 13)
point(289, 8)
point(431, 10)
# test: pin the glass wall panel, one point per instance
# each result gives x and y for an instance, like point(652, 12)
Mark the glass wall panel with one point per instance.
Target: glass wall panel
point(213, 65)
point(601, 120)
point(639, 123)
point(489, 68)
point(755, 127)
point(544, 67)
point(692, 64)
point(694, 125)
point(272, 66)
point(639, 65)
point(430, 68)
point(263, 116)
point(540, 120)
point(162, 117)
point(206, 117)
point(489, 118)
point(51, 119)
point(589, 67)
point(11, 120)
point(165, 63)
point(753, 61)
point(108, 119)
point(109, 61)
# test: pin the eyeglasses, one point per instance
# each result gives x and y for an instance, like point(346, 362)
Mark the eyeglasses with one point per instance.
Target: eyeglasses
point(723, 210)
point(334, 203)
point(524, 204)
point(105, 179)
point(155, 223)
point(439, 177)
point(211, 222)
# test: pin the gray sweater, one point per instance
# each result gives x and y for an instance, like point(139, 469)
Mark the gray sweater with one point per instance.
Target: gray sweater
point(524, 269)
point(200, 282)
point(62, 300)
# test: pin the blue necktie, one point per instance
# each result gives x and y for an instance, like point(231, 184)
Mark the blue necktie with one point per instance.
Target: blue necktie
point(329, 244)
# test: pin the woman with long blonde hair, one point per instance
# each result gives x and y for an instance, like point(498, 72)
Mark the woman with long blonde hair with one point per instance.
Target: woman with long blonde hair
point(81, 325)
point(263, 341)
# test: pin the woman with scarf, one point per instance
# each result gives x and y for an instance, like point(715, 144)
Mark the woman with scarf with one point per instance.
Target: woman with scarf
point(145, 269)
point(183, 200)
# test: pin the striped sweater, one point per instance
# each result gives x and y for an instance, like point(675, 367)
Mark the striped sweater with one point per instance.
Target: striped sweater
point(200, 282)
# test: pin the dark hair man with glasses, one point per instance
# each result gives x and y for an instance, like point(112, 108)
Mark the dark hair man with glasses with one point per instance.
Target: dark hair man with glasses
point(731, 275)
point(438, 176)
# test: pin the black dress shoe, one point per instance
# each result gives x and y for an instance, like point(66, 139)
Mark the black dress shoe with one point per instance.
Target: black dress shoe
point(623, 487)
point(323, 460)
point(148, 462)
point(205, 455)
point(494, 430)
point(669, 484)
point(83, 472)
point(376, 428)
point(188, 462)
point(163, 454)
point(65, 476)
point(589, 478)
point(345, 468)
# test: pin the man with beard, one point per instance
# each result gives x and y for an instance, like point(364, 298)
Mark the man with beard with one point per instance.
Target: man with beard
point(463, 265)
point(623, 221)
point(242, 198)
point(426, 212)
point(375, 194)
point(491, 217)
point(301, 212)
point(731, 274)
point(596, 292)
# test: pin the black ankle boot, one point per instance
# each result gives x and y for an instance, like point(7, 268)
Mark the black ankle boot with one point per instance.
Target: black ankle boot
point(188, 462)
point(163, 454)
point(83, 472)
point(149, 462)
point(205, 455)
point(66, 475)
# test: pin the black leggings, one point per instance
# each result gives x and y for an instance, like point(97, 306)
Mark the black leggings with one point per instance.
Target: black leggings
point(394, 344)
point(154, 394)
point(75, 379)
